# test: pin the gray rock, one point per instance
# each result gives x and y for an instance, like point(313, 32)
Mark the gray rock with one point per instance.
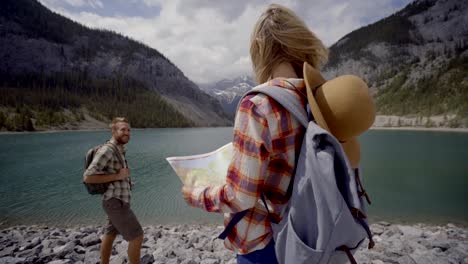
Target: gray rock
point(156, 235)
point(31, 260)
point(158, 252)
point(29, 252)
point(410, 231)
point(16, 235)
point(6, 242)
point(188, 261)
point(462, 246)
point(393, 254)
point(171, 254)
point(188, 253)
point(210, 261)
point(7, 251)
point(428, 258)
point(76, 235)
point(121, 246)
point(55, 233)
point(392, 231)
point(90, 240)
point(411, 245)
point(147, 259)
point(232, 261)
point(59, 242)
point(442, 245)
point(456, 253)
point(450, 225)
point(406, 260)
point(65, 249)
point(94, 248)
point(61, 261)
point(194, 244)
point(9, 260)
point(172, 261)
point(45, 258)
point(120, 259)
point(162, 260)
point(34, 242)
point(46, 243)
point(92, 257)
point(75, 257)
point(80, 250)
point(377, 229)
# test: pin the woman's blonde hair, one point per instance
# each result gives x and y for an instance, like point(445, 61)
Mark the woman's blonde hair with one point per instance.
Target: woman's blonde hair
point(281, 36)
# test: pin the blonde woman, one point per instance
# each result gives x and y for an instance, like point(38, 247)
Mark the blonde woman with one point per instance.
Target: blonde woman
point(267, 138)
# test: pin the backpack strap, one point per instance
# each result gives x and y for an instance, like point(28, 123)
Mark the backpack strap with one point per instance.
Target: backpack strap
point(361, 191)
point(287, 100)
point(122, 159)
point(117, 152)
point(347, 250)
point(235, 219)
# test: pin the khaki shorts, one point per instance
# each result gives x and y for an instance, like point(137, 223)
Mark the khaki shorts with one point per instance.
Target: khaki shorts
point(121, 220)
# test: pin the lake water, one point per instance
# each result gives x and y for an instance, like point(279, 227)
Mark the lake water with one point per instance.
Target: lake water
point(411, 176)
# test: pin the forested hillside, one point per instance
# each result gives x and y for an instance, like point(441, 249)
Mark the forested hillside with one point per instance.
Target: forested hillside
point(415, 61)
point(54, 72)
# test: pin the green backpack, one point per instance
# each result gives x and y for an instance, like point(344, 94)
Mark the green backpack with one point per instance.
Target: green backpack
point(98, 188)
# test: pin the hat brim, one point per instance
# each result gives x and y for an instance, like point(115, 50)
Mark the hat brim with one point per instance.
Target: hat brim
point(352, 149)
point(313, 81)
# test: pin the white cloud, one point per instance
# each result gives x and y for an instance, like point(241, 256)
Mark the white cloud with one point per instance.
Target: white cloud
point(74, 3)
point(209, 40)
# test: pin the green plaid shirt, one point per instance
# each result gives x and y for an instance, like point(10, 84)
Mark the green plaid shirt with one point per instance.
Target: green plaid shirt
point(106, 161)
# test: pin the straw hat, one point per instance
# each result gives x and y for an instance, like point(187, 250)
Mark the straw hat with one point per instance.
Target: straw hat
point(342, 106)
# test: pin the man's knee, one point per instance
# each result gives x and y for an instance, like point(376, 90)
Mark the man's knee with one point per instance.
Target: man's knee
point(109, 237)
point(137, 239)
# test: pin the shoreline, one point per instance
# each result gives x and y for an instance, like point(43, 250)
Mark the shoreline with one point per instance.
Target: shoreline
point(404, 128)
point(188, 244)
point(436, 129)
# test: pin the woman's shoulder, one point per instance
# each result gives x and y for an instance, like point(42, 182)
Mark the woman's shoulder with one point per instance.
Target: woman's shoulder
point(258, 102)
point(266, 104)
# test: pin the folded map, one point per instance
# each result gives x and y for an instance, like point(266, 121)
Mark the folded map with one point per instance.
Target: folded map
point(208, 169)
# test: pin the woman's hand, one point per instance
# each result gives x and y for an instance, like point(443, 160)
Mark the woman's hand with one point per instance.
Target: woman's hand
point(186, 193)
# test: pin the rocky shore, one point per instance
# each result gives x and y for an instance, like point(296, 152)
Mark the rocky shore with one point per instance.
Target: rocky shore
point(190, 244)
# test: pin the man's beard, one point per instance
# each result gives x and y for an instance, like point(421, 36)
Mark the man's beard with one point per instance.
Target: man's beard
point(122, 140)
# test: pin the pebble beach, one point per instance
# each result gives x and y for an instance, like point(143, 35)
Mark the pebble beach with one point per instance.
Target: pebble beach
point(190, 244)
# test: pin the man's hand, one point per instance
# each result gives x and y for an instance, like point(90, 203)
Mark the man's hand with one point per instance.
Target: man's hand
point(123, 174)
point(102, 178)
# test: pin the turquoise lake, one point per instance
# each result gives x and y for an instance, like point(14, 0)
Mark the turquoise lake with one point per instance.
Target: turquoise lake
point(411, 176)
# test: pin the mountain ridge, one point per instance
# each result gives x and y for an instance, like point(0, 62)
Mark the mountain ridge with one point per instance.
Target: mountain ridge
point(414, 61)
point(229, 91)
point(37, 41)
point(420, 70)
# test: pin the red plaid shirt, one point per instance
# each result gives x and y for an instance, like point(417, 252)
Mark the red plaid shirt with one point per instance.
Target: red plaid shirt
point(267, 141)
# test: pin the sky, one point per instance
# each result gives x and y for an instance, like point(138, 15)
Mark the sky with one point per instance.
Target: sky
point(209, 39)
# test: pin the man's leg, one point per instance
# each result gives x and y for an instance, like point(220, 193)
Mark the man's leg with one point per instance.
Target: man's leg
point(125, 223)
point(109, 230)
point(134, 249)
point(106, 247)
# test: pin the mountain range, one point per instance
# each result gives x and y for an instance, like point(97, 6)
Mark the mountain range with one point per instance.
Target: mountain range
point(229, 91)
point(415, 62)
point(54, 71)
point(103, 73)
